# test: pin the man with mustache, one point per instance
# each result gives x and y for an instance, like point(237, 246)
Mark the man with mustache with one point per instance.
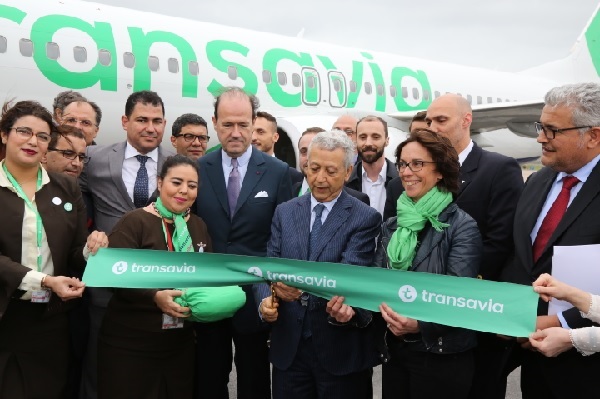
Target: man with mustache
point(373, 172)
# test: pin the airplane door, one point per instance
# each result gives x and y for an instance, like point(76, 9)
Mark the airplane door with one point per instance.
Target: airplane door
point(311, 86)
point(337, 89)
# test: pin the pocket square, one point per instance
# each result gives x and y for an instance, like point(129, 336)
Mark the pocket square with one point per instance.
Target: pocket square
point(261, 194)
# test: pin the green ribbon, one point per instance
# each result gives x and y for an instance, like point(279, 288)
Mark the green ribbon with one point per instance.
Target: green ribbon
point(502, 308)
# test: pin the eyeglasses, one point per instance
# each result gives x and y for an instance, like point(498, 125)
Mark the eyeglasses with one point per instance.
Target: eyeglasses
point(27, 133)
point(415, 165)
point(550, 133)
point(71, 155)
point(73, 121)
point(191, 137)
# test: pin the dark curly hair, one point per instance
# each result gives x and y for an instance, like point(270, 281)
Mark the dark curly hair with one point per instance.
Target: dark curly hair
point(10, 114)
point(442, 153)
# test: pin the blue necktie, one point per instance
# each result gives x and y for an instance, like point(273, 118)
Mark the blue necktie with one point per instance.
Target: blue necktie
point(233, 187)
point(316, 227)
point(140, 188)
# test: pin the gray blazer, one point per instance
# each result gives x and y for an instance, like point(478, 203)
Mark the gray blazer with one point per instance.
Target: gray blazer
point(102, 184)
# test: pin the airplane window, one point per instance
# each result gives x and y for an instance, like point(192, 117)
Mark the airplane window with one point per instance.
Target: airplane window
point(296, 80)
point(393, 91)
point(310, 82)
point(507, 101)
point(352, 86)
point(368, 88)
point(26, 47)
point(128, 59)
point(266, 76)
point(426, 95)
point(3, 44)
point(104, 57)
point(337, 85)
point(499, 99)
point(173, 65)
point(380, 90)
point(404, 92)
point(470, 98)
point(153, 63)
point(52, 51)
point(479, 100)
point(281, 78)
point(232, 72)
point(80, 54)
point(415, 93)
point(489, 100)
point(437, 94)
point(194, 68)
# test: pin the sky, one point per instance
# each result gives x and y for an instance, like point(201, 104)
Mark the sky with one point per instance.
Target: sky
point(506, 35)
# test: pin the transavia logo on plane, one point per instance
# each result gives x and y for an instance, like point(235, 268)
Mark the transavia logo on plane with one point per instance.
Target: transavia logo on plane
point(119, 267)
point(408, 293)
point(318, 281)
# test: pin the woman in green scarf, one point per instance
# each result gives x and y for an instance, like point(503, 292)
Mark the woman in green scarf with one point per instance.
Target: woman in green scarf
point(429, 234)
point(146, 348)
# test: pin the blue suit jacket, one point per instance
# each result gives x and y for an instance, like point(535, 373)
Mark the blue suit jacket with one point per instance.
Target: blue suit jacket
point(249, 231)
point(347, 236)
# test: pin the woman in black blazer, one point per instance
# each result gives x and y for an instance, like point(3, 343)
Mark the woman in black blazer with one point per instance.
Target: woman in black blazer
point(43, 234)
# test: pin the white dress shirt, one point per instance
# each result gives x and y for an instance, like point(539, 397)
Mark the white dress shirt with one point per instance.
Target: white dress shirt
point(242, 165)
point(465, 153)
point(375, 189)
point(328, 207)
point(131, 166)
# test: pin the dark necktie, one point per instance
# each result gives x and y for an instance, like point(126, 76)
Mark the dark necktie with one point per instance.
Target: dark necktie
point(553, 217)
point(233, 187)
point(316, 227)
point(140, 187)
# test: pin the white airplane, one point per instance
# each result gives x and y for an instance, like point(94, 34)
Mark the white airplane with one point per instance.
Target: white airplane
point(106, 53)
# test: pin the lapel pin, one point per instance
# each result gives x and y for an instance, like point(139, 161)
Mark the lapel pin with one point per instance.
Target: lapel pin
point(56, 201)
point(68, 207)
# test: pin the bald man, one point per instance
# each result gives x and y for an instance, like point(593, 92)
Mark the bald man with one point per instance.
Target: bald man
point(491, 185)
point(347, 124)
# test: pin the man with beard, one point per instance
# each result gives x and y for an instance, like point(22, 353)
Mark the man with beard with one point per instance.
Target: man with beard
point(373, 172)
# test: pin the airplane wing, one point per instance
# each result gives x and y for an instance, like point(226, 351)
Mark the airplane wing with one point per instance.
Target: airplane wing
point(517, 116)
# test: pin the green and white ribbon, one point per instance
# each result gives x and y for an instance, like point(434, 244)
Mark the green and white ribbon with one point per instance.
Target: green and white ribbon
point(502, 308)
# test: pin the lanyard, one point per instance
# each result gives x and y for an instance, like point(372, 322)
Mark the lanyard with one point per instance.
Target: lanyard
point(168, 237)
point(38, 218)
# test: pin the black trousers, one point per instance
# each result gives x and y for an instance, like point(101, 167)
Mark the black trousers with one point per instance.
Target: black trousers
point(307, 379)
point(214, 356)
point(411, 374)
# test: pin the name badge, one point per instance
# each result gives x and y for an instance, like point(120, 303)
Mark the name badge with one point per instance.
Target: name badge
point(170, 322)
point(40, 296)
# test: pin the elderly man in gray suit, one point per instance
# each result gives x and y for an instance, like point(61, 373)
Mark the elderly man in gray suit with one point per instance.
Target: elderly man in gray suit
point(120, 178)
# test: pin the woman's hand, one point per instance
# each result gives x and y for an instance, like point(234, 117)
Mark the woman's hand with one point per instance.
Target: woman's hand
point(548, 287)
point(337, 309)
point(65, 287)
point(96, 240)
point(164, 301)
point(551, 341)
point(397, 324)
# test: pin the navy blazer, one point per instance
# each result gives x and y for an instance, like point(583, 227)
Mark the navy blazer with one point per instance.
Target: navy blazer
point(491, 185)
point(249, 231)
point(347, 236)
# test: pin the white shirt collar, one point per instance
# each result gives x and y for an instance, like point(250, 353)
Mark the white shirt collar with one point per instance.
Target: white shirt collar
point(131, 152)
point(382, 173)
point(465, 153)
point(242, 159)
point(328, 205)
point(582, 173)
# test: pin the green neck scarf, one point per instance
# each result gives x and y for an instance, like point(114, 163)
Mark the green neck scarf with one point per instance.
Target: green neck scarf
point(412, 217)
point(182, 242)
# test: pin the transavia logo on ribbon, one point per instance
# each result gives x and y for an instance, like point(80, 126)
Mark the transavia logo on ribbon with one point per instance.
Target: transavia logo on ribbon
point(119, 267)
point(318, 281)
point(408, 293)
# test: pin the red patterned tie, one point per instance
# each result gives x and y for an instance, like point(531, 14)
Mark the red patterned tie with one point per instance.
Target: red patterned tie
point(556, 212)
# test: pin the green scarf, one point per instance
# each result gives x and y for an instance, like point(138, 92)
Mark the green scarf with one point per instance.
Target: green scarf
point(412, 217)
point(182, 242)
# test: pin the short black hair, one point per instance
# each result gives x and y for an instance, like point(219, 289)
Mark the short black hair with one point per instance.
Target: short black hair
point(420, 116)
point(145, 97)
point(65, 131)
point(177, 160)
point(232, 91)
point(187, 119)
point(10, 114)
point(373, 118)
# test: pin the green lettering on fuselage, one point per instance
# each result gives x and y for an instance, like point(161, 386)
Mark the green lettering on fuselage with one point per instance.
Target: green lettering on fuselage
point(42, 32)
point(270, 60)
point(12, 14)
point(214, 52)
point(398, 75)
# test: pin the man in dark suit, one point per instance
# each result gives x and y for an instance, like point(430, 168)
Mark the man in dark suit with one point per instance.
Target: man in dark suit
point(240, 188)
point(490, 188)
point(322, 349)
point(120, 178)
point(264, 137)
point(301, 187)
point(373, 172)
point(560, 206)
